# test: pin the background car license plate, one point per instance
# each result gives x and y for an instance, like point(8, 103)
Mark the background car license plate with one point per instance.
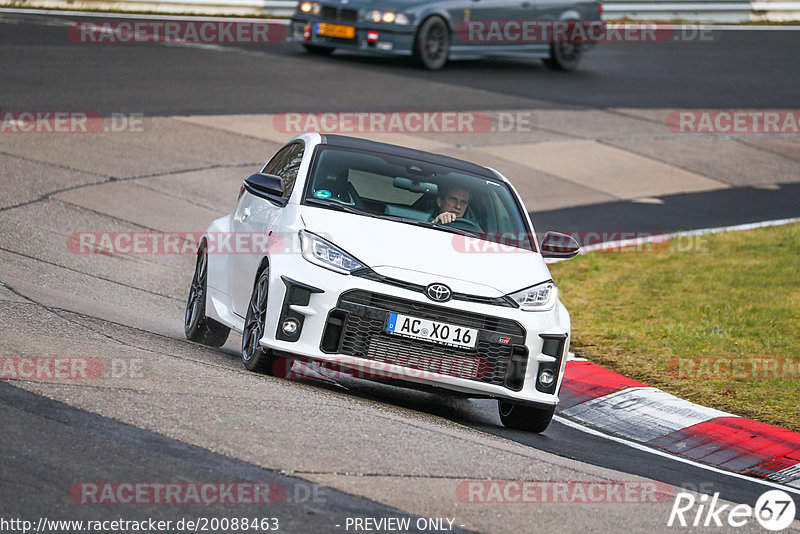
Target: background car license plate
point(433, 331)
point(336, 30)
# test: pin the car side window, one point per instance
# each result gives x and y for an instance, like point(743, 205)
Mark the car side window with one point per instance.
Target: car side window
point(285, 164)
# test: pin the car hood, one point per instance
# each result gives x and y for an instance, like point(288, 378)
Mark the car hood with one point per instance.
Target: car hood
point(424, 256)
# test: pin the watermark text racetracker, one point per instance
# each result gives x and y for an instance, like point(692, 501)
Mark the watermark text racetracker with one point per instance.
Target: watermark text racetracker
point(624, 241)
point(576, 31)
point(398, 367)
point(563, 492)
point(157, 243)
point(410, 122)
point(147, 243)
point(68, 122)
point(735, 121)
point(186, 31)
point(384, 122)
point(177, 493)
point(47, 368)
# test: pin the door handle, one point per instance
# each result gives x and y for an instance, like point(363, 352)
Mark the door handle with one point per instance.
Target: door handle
point(526, 4)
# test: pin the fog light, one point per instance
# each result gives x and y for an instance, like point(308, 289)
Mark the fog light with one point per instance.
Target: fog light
point(546, 377)
point(290, 327)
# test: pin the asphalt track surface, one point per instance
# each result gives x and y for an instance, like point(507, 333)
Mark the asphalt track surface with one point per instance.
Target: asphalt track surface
point(53, 444)
point(734, 69)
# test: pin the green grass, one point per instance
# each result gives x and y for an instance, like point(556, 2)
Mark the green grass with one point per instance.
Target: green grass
point(657, 313)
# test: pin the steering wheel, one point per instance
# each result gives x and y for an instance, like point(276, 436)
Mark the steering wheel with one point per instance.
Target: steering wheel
point(465, 224)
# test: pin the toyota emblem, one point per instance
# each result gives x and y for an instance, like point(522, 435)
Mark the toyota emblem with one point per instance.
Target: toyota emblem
point(438, 292)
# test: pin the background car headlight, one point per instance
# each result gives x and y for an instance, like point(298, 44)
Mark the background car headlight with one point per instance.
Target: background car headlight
point(389, 17)
point(537, 298)
point(325, 254)
point(309, 7)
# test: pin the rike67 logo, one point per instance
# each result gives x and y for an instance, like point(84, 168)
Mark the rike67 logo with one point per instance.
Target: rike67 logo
point(774, 511)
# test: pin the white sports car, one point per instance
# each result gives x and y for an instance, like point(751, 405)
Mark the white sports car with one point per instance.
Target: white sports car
point(392, 263)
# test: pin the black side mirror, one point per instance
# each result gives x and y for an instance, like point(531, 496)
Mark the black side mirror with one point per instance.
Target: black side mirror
point(263, 185)
point(558, 245)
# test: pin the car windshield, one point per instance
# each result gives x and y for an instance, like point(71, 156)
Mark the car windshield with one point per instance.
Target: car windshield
point(415, 192)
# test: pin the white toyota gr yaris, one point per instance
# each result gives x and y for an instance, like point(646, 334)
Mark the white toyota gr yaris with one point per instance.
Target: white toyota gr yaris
point(391, 263)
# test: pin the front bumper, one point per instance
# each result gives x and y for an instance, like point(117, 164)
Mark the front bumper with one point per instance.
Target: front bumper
point(343, 317)
point(392, 39)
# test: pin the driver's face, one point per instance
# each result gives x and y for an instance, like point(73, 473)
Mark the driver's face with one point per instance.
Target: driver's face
point(455, 200)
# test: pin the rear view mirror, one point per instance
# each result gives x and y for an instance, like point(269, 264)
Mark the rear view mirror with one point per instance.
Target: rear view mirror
point(558, 245)
point(262, 185)
point(415, 185)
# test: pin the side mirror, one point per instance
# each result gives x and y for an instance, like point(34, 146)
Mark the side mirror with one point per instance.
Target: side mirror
point(263, 185)
point(560, 246)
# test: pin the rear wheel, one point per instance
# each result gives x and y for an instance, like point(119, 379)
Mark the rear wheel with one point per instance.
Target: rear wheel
point(318, 50)
point(433, 43)
point(255, 357)
point(522, 417)
point(564, 56)
point(196, 325)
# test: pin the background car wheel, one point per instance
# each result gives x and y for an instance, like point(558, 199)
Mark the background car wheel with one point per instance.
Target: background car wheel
point(564, 56)
point(196, 325)
point(318, 50)
point(254, 357)
point(433, 43)
point(521, 417)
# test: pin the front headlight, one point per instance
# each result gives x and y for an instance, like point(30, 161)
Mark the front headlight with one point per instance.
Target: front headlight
point(540, 297)
point(389, 17)
point(325, 254)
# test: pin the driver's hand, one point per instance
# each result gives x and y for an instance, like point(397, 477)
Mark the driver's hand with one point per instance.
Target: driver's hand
point(445, 218)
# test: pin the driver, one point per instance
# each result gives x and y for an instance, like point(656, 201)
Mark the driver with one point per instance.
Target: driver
point(452, 204)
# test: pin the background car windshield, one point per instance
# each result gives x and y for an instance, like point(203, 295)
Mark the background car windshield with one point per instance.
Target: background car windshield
point(391, 186)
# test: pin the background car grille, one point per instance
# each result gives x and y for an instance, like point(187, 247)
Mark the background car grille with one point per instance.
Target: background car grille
point(344, 15)
point(348, 15)
point(363, 336)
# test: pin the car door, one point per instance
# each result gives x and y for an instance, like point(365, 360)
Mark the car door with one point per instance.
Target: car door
point(252, 222)
point(498, 24)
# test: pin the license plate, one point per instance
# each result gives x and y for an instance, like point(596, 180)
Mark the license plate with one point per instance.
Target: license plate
point(336, 30)
point(432, 331)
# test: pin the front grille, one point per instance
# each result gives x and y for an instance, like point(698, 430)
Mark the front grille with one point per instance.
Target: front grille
point(344, 15)
point(433, 312)
point(363, 336)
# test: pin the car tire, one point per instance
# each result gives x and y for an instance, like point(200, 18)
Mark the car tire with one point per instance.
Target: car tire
point(196, 325)
point(254, 357)
point(525, 417)
point(432, 45)
point(564, 56)
point(318, 50)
